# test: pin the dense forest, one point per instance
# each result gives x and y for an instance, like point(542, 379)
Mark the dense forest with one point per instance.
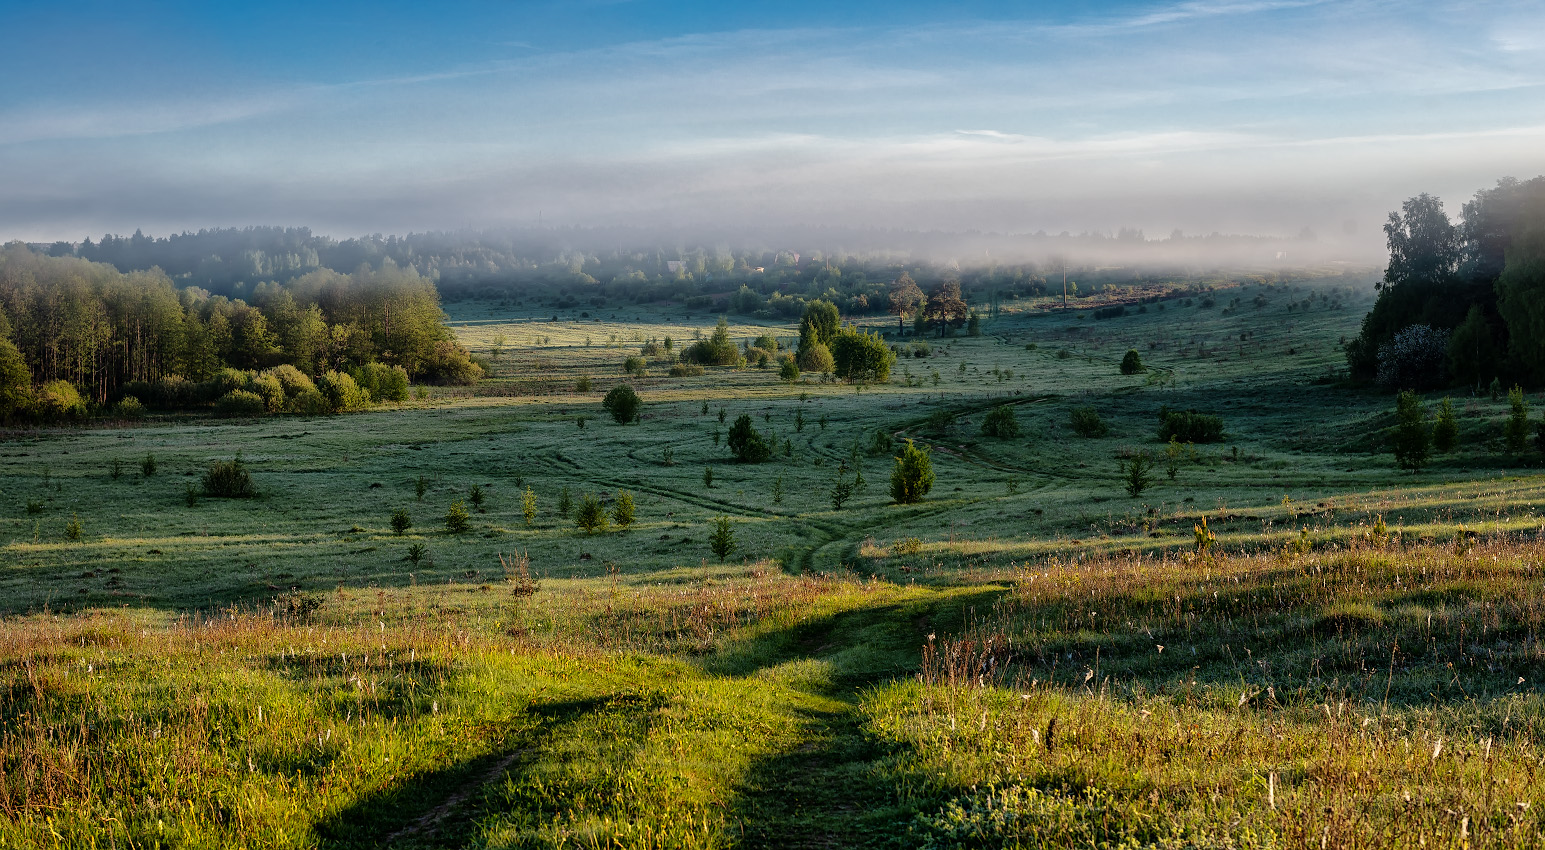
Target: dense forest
point(75, 333)
point(581, 269)
point(1460, 304)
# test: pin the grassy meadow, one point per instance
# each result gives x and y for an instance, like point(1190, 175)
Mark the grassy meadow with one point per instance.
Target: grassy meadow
point(1030, 657)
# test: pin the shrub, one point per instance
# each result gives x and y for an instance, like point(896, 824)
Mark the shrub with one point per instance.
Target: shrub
point(310, 403)
point(382, 382)
point(449, 363)
point(1188, 426)
point(788, 370)
point(859, 356)
point(268, 388)
point(1516, 429)
point(1414, 358)
point(1413, 438)
point(1135, 474)
point(747, 445)
point(147, 467)
point(528, 505)
point(634, 365)
point(457, 519)
point(686, 370)
point(912, 476)
point(292, 380)
point(622, 509)
point(342, 392)
point(228, 479)
point(401, 521)
point(59, 400)
point(1001, 423)
point(1445, 434)
point(722, 539)
point(622, 403)
point(1132, 363)
point(240, 403)
point(816, 358)
point(228, 381)
point(1086, 422)
point(73, 529)
point(590, 517)
point(129, 407)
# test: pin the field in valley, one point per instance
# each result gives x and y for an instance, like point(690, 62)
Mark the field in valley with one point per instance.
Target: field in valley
point(1031, 656)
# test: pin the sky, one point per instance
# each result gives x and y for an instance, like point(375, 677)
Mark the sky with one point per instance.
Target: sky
point(1237, 116)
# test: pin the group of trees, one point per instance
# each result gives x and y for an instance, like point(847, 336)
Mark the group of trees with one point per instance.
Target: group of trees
point(69, 325)
point(1460, 303)
point(826, 345)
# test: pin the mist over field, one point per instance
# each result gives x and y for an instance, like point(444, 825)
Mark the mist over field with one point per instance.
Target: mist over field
point(1263, 118)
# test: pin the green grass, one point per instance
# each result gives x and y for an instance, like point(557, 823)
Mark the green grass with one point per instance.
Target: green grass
point(275, 672)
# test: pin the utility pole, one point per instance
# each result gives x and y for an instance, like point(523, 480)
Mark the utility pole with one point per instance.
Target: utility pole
point(1064, 283)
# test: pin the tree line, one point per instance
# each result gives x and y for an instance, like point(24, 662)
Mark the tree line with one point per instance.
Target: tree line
point(1460, 304)
point(68, 324)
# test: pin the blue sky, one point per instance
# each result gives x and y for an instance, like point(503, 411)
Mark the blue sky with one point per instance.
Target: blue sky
point(1260, 116)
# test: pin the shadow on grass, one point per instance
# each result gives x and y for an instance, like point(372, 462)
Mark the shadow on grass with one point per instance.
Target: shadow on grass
point(430, 808)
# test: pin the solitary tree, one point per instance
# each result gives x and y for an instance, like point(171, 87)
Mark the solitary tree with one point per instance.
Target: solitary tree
point(622, 403)
point(946, 307)
point(457, 519)
point(1135, 474)
point(746, 443)
point(1413, 436)
point(906, 299)
point(912, 476)
point(528, 505)
point(1516, 430)
point(1445, 434)
point(722, 539)
point(622, 510)
point(590, 517)
point(1001, 423)
point(1132, 363)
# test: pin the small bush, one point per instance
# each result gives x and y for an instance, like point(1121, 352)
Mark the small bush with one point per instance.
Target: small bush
point(590, 517)
point(1135, 475)
point(292, 380)
point(1086, 422)
point(634, 365)
point(912, 477)
point(382, 382)
point(457, 519)
point(1445, 434)
point(622, 403)
point(622, 510)
point(342, 392)
point(1516, 429)
point(746, 443)
point(1412, 441)
point(268, 388)
point(686, 370)
point(401, 521)
point(528, 505)
point(1188, 426)
point(1001, 423)
point(582, 385)
point(129, 407)
point(1132, 363)
point(310, 403)
point(73, 529)
point(147, 467)
point(241, 404)
point(722, 539)
point(229, 479)
point(59, 400)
